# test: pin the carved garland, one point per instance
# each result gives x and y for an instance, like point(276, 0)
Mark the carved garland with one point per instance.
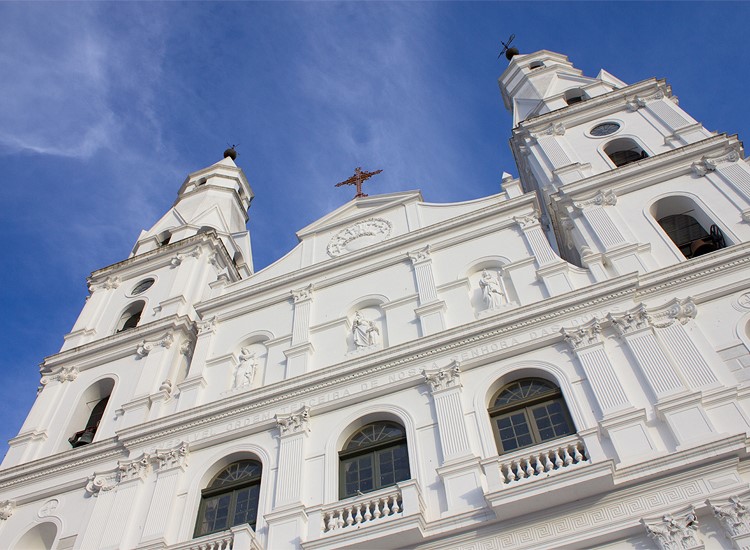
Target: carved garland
point(373, 227)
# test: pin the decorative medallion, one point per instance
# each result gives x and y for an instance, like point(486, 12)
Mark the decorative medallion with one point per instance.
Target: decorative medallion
point(358, 236)
point(604, 129)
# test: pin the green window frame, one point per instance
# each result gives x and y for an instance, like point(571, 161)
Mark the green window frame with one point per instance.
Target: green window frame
point(375, 456)
point(528, 412)
point(230, 499)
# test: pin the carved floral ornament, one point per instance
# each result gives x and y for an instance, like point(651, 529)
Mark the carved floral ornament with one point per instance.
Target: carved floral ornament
point(709, 164)
point(7, 507)
point(677, 531)
point(378, 229)
point(65, 374)
point(297, 422)
point(206, 325)
point(145, 347)
point(442, 379)
point(554, 129)
point(528, 220)
point(140, 468)
point(632, 321)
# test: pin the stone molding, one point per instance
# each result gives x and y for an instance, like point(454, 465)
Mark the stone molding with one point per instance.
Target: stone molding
point(295, 423)
point(444, 378)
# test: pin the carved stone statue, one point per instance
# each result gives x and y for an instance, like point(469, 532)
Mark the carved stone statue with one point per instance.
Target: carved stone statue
point(246, 369)
point(365, 332)
point(675, 533)
point(492, 291)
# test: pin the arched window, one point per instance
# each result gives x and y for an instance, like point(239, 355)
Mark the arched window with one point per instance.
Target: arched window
point(575, 95)
point(89, 412)
point(375, 456)
point(690, 237)
point(528, 412)
point(40, 537)
point(86, 436)
point(623, 151)
point(230, 499)
point(131, 316)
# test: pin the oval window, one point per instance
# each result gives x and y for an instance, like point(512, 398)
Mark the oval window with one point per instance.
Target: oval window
point(143, 286)
point(604, 129)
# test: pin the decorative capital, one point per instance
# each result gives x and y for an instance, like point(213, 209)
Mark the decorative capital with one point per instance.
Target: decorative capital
point(134, 469)
point(99, 483)
point(584, 336)
point(294, 423)
point(556, 129)
point(528, 220)
point(671, 532)
point(171, 458)
point(445, 378)
point(145, 347)
point(602, 198)
point(65, 374)
point(632, 321)
point(302, 294)
point(637, 102)
point(676, 310)
point(709, 164)
point(110, 283)
point(7, 507)
point(420, 256)
point(206, 325)
point(733, 515)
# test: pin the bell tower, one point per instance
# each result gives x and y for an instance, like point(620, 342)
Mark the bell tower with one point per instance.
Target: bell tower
point(131, 347)
point(627, 180)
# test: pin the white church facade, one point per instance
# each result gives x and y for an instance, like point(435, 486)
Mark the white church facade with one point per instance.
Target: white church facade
point(564, 364)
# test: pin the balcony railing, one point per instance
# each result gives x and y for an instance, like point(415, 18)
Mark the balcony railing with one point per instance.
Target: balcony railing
point(241, 537)
point(366, 508)
point(539, 462)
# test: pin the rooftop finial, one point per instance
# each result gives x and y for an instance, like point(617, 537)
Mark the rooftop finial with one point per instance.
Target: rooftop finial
point(231, 152)
point(507, 49)
point(358, 179)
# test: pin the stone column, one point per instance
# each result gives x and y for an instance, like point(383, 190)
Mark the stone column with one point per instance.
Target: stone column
point(460, 470)
point(289, 517)
point(431, 310)
point(299, 355)
point(170, 464)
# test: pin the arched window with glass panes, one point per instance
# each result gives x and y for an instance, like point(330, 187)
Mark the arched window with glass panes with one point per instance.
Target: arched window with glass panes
point(230, 499)
point(376, 456)
point(528, 412)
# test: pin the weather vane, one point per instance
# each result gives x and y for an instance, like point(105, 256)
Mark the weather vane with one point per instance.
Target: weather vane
point(358, 179)
point(507, 50)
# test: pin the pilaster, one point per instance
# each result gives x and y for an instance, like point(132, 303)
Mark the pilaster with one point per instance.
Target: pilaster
point(431, 310)
point(191, 387)
point(551, 269)
point(733, 515)
point(298, 357)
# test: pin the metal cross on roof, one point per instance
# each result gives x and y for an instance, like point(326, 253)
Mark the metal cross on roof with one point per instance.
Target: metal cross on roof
point(358, 179)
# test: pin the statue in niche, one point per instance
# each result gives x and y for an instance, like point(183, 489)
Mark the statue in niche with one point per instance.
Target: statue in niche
point(364, 331)
point(492, 291)
point(243, 378)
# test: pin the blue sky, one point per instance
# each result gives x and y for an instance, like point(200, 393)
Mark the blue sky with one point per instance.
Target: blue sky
point(106, 107)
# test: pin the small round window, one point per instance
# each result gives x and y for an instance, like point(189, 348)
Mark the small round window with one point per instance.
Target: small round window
point(604, 129)
point(143, 286)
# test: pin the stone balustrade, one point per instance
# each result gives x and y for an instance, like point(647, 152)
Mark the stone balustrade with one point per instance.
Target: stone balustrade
point(538, 461)
point(240, 537)
point(363, 509)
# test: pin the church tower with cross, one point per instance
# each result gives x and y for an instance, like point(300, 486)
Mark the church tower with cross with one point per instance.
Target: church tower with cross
point(562, 364)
